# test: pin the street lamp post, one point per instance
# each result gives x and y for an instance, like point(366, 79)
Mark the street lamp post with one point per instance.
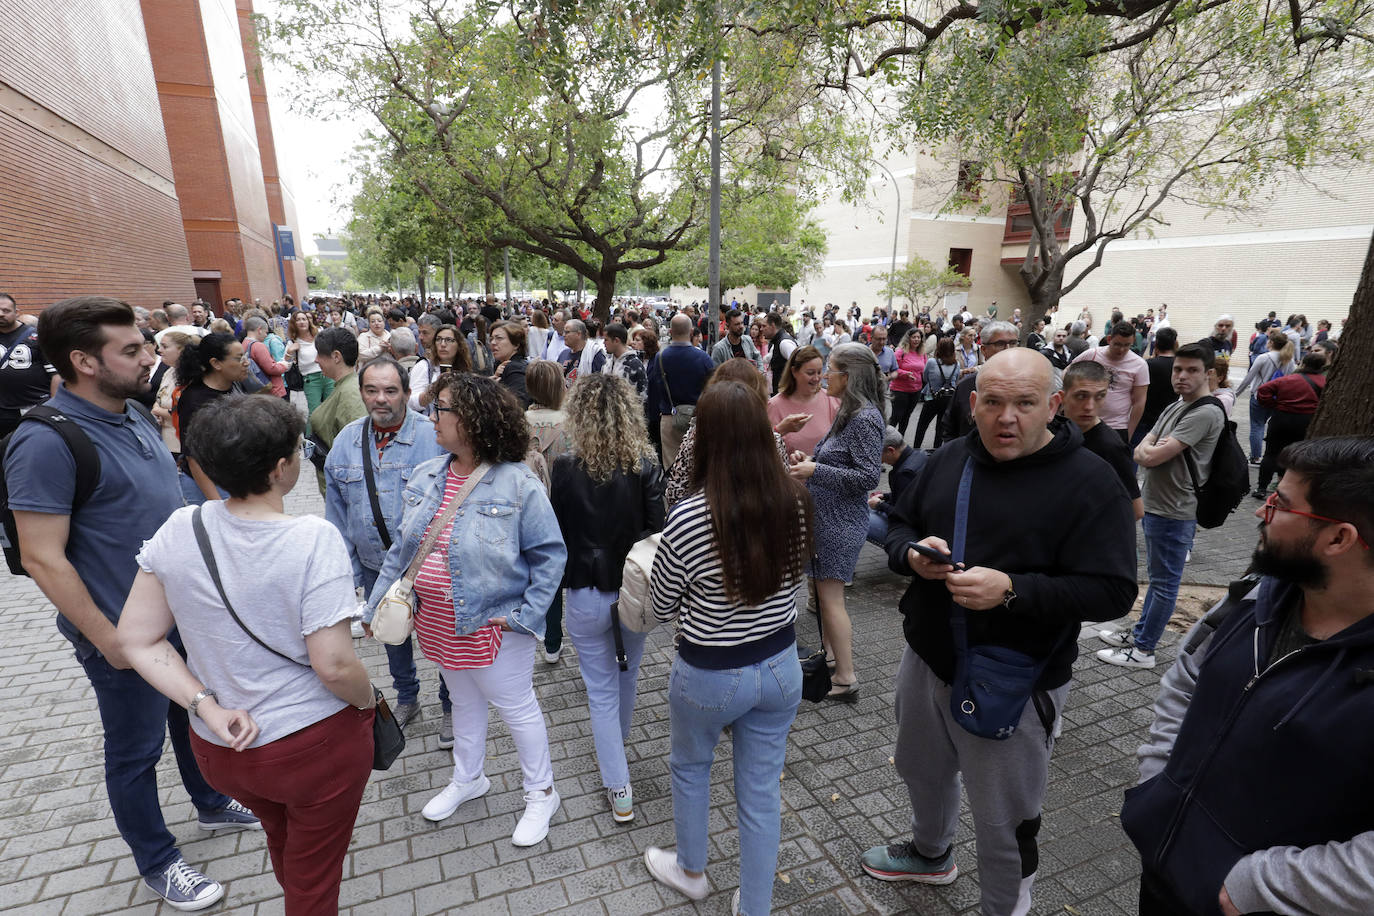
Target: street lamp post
point(713, 263)
point(896, 227)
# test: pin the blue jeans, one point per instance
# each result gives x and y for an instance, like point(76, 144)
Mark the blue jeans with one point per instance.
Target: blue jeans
point(610, 691)
point(136, 719)
point(1259, 416)
point(877, 528)
point(190, 490)
point(1167, 542)
point(400, 661)
point(760, 702)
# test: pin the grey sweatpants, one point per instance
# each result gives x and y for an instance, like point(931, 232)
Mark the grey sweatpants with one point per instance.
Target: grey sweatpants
point(1005, 781)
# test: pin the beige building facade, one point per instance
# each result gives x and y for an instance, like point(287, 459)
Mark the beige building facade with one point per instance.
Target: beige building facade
point(1299, 249)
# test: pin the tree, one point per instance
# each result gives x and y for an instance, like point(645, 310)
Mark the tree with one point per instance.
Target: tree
point(1208, 113)
point(917, 279)
point(767, 239)
point(583, 125)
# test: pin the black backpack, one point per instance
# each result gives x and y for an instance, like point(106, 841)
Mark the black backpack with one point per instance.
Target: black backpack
point(87, 472)
point(1229, 478)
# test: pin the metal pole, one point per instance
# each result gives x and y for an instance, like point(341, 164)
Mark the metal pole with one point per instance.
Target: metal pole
point(505, 253)
point(713, 268)
point(896, 227)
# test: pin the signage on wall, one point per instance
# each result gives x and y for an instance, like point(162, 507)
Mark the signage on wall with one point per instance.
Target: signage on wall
point(286, 244)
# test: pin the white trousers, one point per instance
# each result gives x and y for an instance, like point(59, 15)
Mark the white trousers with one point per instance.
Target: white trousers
point(508, 685)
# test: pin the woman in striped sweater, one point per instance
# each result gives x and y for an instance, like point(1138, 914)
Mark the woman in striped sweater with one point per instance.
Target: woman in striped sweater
point(729, 567)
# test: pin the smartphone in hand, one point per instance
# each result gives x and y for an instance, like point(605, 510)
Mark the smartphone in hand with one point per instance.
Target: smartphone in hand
point(930, 553)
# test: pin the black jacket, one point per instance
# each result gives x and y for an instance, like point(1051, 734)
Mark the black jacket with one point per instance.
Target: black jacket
point(602, 521)
point(513, 377)
point(902, 475)
point(1058, 522)
point(958, 419)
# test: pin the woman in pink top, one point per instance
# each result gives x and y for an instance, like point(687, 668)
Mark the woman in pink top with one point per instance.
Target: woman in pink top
point(801, 412)
point(906, 387)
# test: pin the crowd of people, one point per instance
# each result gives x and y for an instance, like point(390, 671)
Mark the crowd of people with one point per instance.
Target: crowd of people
point(500, 462)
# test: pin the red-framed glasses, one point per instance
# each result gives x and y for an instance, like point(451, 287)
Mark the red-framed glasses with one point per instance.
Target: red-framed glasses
point(1271, 506)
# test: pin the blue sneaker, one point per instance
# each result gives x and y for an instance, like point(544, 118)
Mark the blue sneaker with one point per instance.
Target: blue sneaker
point(183, 888)
point(232, 816)
point(901, 862)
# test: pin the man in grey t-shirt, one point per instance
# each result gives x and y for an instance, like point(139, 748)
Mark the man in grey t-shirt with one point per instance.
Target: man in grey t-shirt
point(1170, 502)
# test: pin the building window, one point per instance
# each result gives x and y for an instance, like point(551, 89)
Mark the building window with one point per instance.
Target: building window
point(961, 260)
point(1020, 227)
point(969, 184)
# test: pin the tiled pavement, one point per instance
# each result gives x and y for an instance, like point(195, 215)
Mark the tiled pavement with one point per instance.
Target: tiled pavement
point(61, 853)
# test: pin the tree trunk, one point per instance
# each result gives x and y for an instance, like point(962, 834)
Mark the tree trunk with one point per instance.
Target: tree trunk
point(1347, 408)
point(424, 269)
point(553, 295)
point(448, 278)
point(605, 291)
point(488, 278)
point(1044, 291)
point(581, 285)
point(461, 283)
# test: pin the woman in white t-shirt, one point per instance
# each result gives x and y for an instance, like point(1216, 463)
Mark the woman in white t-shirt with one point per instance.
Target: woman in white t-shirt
point(375, 341)
point(281, 707)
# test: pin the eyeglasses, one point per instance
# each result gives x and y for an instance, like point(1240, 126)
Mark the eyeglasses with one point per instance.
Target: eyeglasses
point(448, 340)
point(436, 408)
point(1001, 344)
point(307, 449)
point(1271, 506)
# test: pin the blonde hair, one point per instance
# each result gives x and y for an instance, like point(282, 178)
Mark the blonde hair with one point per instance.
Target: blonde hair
point(607, 426)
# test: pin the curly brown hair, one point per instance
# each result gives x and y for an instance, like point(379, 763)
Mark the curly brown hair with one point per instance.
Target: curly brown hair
point(607, 420)
point(491, 418)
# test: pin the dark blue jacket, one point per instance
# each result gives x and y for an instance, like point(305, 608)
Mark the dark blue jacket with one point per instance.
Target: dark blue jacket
point(682, 373)
point(1266, 755)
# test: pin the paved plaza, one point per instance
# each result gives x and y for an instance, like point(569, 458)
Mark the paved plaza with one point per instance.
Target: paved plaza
point(60, 852)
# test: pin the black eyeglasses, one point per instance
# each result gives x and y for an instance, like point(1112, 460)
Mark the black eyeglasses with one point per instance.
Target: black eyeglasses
point(452, 340)
point(436, 408)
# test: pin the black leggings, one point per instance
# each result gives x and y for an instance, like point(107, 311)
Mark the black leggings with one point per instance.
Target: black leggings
point(903, 405)
point(1284, 429)
point(931, 411)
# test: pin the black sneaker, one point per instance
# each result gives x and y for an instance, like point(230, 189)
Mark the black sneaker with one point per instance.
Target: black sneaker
point(183, 888)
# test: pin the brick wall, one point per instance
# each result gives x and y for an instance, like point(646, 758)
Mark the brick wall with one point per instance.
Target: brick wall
point(72, 225)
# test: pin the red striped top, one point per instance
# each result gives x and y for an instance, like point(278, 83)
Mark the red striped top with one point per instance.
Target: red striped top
point(434, 608)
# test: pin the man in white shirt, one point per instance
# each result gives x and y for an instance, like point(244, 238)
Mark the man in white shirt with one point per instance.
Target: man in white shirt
point(555, 347)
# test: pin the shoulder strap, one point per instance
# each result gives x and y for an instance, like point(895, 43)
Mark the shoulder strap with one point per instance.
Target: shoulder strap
point(208, 555)
point(441, 521)
point(664, 373)
point(1236, 595)
point(377, 518)
point(1308, 379)
point(143, 409)
point(84, 455)
point(1188, 458)
point(958, 621)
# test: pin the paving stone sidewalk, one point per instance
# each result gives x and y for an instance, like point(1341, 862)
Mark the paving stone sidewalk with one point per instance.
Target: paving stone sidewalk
point(61, 854)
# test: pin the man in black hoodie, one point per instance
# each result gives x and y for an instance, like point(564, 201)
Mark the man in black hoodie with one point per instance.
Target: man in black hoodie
point(1050, 543)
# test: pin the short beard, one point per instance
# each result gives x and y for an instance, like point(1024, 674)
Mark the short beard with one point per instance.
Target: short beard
point(1298, 566)
point(112, 386)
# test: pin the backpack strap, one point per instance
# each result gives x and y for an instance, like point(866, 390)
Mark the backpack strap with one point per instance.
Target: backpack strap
point(86, 458)
point(1236, 595)
point(1188, 458)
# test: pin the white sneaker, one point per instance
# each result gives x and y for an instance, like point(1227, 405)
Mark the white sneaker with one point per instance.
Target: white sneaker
point(553, 657)
point(662, 864)
point(1127, 658)
point(534, 823)
point(356, 629)
point(446, 802)
point(622, 804)
point(1117, 639)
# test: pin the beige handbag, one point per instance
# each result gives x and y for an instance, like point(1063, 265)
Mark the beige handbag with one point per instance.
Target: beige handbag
point(394, 620)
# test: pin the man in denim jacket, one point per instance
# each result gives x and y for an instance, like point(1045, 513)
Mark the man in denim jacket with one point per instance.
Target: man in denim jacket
point(400, 439)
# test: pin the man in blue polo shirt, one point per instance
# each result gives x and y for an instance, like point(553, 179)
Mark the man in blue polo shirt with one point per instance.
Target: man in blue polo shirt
point(681, 371)
point(84, 563)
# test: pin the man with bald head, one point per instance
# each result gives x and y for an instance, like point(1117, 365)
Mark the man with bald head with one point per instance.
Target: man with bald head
point(677, 375)
point(1047, 542)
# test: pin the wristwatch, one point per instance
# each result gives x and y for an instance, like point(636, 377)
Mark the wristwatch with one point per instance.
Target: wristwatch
point(1009, 595)
point(194, 708)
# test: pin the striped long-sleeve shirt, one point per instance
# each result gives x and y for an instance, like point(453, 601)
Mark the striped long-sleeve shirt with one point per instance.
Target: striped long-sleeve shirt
point(689, 583)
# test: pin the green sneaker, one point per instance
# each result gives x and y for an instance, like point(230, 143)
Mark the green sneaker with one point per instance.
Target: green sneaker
point(901, 862)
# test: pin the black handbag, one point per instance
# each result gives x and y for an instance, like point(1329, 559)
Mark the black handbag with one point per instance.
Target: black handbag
point(815, 671)
point(293, 378)
point(388, 740)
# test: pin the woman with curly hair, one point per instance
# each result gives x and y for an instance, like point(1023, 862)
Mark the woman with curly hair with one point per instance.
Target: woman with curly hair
point(301, 352)
point(482, 591)
point(735, 369)
point(607, 494)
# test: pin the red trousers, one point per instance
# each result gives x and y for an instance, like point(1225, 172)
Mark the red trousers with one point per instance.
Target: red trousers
point(305, 788)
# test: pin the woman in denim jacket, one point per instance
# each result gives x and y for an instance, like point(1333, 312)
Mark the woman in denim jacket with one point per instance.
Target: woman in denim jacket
point(482, 592)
